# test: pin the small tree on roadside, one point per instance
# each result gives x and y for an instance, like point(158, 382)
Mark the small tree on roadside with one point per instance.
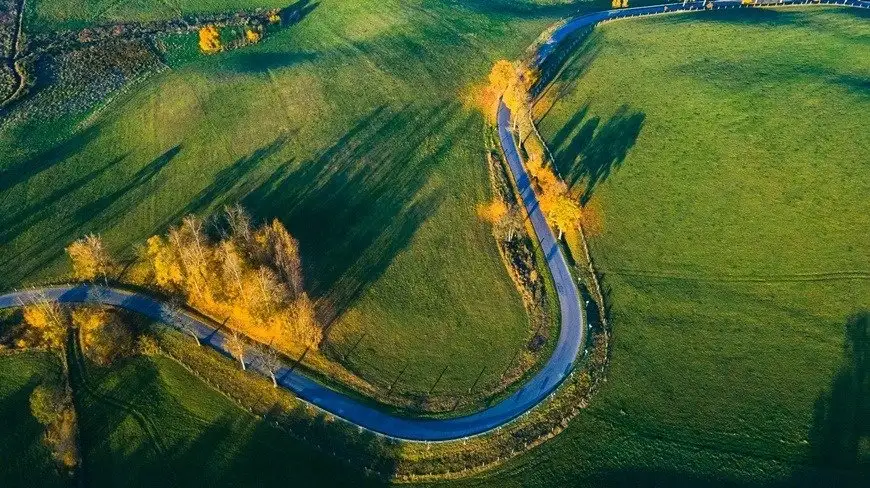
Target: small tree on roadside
point(173, 314)
point(52, 407)
point(239, 221)
point(236, 347)
point(284, 253)
point(167, 268)
point(89, 258)
point(502, 75)
point(209, 39)
point(46, 404)
point(268, 361)
point(510, 224)
point(560, 208)
point(47, 319)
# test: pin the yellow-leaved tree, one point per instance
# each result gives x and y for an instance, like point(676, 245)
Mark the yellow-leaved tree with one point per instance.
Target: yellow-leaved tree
point(562, 211)
point(493, 211)
point(47, 321)
point(103, 337)
point(209, 39)
point(503, 74)
point(248, 277)
point(557, 204)
point(89, 258)
point(253, 34)
point(274, 16)
point(165, 263)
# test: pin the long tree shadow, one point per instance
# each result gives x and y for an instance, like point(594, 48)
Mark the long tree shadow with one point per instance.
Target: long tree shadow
point(137, 181)
point(22, 433)
point(595, 150)
point(25, 170)
point(840, 434)
point(563, 67)
point(99, 213)
point(231, 448)
point(297, 11)
point(358, 204)
point(16, 220)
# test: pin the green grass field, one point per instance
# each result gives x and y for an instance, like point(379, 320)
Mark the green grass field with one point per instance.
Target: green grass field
point(731, 177)
point(731, 171)
point(350, 127)
point(24, 460)
point(151, 423)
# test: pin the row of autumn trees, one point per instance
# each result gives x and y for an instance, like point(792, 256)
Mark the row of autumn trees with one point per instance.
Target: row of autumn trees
point(512, 84)
point(227, 268)
point(210, 35)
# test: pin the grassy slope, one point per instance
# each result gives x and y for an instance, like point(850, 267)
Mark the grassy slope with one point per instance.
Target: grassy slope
point(24, 460)
point(350, 128)
point(745, 165)
point(174, 430)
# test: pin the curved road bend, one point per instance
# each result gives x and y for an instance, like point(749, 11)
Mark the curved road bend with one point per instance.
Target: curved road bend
point(545, 382)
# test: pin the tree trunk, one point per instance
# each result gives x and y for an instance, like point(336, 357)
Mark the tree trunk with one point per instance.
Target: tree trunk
point(242, 362)
point(274, 381)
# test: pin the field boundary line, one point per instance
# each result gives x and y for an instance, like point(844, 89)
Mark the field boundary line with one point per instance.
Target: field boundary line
point(783, 278)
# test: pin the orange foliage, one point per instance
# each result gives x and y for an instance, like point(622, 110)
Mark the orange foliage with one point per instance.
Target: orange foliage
point(253, 35)
point(209, 39)
point(89, 258)
point(484, 98)
point(502, 75)
point(165, 262)
point(253, 277)
point(493, 211)
point(47, 322)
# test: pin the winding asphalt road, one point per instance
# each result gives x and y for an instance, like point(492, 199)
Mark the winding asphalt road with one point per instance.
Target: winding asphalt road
point(559, 365)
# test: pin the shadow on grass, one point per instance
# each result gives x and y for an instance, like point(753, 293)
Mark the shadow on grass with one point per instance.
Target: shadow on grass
point(21, 431)
point(840, 434)
point(261, 62)
point(137, 181)
point(596, 148)
point(768, 17)
point(562, 69)
point(524, 8)
point(29, 168)
point(234, 450)
point(100, 213)
point(358, 204)
point(22, 217)
point(297, 11)
point(231, 448)
point(232, 183)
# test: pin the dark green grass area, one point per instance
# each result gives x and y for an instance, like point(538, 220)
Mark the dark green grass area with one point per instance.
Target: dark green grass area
point(148, 422)
point(730, 168)
point(24, 459)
